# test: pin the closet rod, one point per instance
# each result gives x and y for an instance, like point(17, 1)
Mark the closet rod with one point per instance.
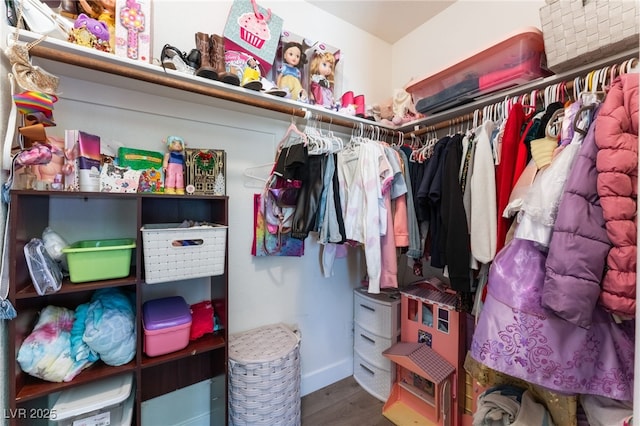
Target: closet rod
point(464, 112)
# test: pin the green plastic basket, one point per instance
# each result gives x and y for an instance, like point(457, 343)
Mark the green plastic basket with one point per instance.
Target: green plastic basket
point(93, 260)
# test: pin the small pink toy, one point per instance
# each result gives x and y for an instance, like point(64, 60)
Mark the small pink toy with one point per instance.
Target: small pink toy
point(132, 18)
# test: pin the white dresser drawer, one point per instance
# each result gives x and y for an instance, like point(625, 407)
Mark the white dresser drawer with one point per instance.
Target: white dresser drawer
point(374, 380)
point(377, 313)
point(370, 347)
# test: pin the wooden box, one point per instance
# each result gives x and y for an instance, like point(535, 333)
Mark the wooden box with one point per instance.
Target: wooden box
point(205, 172)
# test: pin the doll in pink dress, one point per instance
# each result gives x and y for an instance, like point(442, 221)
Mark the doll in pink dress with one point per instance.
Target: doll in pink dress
point(173, 166)
point(322, 69)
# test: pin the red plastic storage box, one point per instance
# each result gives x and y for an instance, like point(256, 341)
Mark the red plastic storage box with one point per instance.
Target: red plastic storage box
point(167, 323)
point(515, 60)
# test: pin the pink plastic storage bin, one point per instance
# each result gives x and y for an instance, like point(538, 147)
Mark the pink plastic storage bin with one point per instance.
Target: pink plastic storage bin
point(166, 322)
point(515, 60)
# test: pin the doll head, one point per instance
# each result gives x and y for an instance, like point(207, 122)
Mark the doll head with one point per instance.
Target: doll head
point(323, 64)
point(175, 144)
point(293, 54)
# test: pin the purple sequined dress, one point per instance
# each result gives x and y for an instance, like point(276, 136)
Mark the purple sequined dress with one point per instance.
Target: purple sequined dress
point(518, 337)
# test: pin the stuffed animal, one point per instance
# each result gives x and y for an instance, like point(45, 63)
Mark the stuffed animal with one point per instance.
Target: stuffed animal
point(383, 112)
point(404, 110)
point(397, 110)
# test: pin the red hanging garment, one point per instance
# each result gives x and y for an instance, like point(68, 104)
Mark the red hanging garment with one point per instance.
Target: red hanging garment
point(513, 160)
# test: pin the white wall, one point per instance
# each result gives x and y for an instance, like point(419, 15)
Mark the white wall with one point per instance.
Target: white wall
point(460, 31)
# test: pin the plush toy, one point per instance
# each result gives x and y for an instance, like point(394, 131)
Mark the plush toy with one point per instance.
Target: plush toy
point(404, 110)
point(396, 111)
point(383, 112)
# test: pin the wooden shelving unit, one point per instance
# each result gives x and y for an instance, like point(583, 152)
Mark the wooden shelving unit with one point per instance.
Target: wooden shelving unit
point(202, 359)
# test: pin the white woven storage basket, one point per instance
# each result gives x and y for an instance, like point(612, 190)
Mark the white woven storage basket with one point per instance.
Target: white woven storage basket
point(577, 32)
point(264, 377)
point(172, 253)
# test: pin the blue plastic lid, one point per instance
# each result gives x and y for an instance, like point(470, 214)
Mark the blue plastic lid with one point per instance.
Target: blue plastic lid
point(165, 312)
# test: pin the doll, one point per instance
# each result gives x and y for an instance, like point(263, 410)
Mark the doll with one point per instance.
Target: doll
point(251, 75)
point(289, 77)
point(173, 166)
point(322, 70)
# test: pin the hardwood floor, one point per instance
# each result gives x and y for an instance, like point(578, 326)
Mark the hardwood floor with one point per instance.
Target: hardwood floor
point(343, 403)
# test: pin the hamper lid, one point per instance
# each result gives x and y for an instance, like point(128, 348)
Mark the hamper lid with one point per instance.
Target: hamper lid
point(165, 312)
point(93, 396)
point(262, 344)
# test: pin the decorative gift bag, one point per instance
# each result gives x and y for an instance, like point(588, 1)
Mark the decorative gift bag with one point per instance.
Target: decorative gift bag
point(254, 30)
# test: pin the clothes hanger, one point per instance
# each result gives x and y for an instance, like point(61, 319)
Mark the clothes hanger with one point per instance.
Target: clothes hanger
point(578, 117)
point(292, 129)
point(252, 174)
point(554, 125)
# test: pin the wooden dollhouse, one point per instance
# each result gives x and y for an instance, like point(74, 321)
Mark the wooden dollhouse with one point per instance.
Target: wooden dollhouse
point(430, 378)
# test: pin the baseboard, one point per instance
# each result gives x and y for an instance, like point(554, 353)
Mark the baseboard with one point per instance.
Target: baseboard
point(318, 379)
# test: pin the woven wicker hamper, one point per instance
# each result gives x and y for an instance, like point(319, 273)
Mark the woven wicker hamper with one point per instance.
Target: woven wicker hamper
point(577, 32)
point(264, 377)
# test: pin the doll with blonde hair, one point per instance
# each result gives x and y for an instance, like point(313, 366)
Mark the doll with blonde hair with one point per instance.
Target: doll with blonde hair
point(322, 69)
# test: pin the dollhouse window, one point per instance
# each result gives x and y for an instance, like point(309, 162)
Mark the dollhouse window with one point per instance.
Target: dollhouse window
point(425, 337)
point(443, 320)
point(427, 314)
point(412, 314)
point(424, 385)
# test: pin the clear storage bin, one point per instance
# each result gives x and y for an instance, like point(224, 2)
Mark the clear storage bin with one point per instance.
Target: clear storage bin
point(513, 61)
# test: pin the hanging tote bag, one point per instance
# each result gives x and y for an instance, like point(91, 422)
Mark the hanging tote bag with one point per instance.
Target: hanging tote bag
point(273, 212)
point(254, 30)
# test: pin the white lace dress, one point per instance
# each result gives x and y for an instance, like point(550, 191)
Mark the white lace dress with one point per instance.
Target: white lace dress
point(540, 205)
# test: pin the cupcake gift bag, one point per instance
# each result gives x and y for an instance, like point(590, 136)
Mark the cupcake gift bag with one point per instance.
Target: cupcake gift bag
point(254, 30)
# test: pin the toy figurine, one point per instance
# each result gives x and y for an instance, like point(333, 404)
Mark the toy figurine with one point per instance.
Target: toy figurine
point(290, 75)
point(251, 75)
point(173, 166)
point(322, 70)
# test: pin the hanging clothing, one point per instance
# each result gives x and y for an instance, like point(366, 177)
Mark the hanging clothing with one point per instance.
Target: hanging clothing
point(397, 232)
point(454, 238)
point(484, 214)
point(414, 247)
point(429, 194)
point(305, 215)
point(517, 336)
point(513, 160)
point(617, 164)
point(540, 205)
point(579, 243)
point(363, 172)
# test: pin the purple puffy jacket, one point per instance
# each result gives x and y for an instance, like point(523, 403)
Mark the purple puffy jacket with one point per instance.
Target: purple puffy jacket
point(579, 243)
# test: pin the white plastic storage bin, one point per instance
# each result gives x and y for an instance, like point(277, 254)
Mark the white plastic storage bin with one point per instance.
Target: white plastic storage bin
point(173, 253)
point(101, 402)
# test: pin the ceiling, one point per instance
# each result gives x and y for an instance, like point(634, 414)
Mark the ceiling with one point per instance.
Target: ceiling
point(389, 20)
